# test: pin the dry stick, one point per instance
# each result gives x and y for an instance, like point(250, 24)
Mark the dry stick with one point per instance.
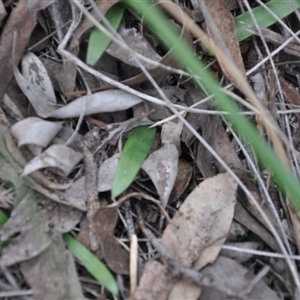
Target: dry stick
point(262, 273)
point(197, 135)
point(177, 270)
point(93, 203)
point(133, 263)
point(257, 252)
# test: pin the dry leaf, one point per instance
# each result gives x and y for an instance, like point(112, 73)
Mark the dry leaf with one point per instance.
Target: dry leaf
point(52, 274)
point(138, 44)
point(106, 173)
point(198, 230)
point(115, 256)
point(236, 278)
point(22, 20)
point(59, 157)
point(38, 99)
point(155, 279)
point(161, 166)
point(35, 72)
point(221, 27)
point(30, 222)
point(105, 101)
point(62, 218)
point(184, 175)
point(35, 131)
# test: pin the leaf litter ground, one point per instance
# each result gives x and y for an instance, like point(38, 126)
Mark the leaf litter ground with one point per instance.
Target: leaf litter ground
point(182, 229)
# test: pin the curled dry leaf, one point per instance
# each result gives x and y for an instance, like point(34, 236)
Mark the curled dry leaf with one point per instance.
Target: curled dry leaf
point(35, 131)
point(105, 101)
point(60, 157)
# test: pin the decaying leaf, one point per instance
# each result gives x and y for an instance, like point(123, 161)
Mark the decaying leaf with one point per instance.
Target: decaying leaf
point(35, 131)
point(59, 157)
point(106, 173)
point(115, 256)
point(235, 277)
point(221, 27)
point(57, 266)
point(182, 180)
point(106, 101)
point(35, 72)
point(152, 284)
point(137, 43)
point(34, 233)
point(162, 164)
point(198, 230)
point(38, 99)
point(22, 21)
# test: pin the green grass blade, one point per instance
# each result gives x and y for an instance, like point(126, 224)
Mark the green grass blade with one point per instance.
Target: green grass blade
point(184, 54)
point(3, 218)
point(98, 41)
point(135, 151)
point(95, 267)
point(280, 8)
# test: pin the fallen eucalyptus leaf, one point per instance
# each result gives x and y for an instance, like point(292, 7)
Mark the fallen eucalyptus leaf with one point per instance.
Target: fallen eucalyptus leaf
point(198, 230)
point(35, 131)
point(161, 166)
point(137, 43)
point(105, 101)
point(106, 173)
point(60, 157)
point(35, 72)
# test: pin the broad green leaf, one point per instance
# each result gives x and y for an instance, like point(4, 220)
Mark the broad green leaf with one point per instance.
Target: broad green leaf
point(98, 41)
point(135, 151)
point(263, 17)
point(95, 267)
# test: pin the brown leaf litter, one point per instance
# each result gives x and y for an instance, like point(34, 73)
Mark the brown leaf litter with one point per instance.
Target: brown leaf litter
point(175, 232)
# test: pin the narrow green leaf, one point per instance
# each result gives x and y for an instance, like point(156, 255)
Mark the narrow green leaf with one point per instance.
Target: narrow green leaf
point(95, 267)
point(3, 218)
point(263, 17)
point(133, 155)
point(98, 41)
